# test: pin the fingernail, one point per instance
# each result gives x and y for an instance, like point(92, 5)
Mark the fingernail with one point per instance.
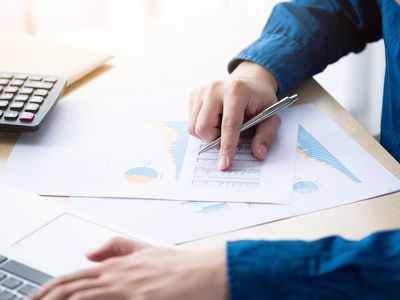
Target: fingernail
point(263, 151)
point(223, 162)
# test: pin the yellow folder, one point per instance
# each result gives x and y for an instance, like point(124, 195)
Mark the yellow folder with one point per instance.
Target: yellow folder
point(33, 54)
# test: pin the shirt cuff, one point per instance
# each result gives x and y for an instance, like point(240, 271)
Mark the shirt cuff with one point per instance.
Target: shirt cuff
point(265, 270)
point(275, 53)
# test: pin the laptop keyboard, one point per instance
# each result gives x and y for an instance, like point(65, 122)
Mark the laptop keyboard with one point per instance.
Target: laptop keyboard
point(17, 280)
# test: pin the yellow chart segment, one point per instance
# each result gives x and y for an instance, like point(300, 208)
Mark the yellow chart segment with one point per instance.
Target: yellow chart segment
point(170, 135)
point(141, 175)
point(139, 178)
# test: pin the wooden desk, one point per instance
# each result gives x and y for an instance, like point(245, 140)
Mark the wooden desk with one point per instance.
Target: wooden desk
point(186, 52)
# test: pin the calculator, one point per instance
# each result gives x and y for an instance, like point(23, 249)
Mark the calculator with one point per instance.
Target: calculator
point(27, 99)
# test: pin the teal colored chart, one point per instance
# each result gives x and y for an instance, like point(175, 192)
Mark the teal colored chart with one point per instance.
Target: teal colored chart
point(207, 207)
point(310, 147)
point(305, 187)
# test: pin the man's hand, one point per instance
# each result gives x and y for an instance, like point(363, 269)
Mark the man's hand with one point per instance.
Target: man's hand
point(130, 270)
point(219, 109)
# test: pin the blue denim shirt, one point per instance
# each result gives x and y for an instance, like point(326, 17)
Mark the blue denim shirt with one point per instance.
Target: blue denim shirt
point(302, 37)
point(330, 268)
point(299, 40)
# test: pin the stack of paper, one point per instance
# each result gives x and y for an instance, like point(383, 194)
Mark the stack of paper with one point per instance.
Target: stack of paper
point(130, 151)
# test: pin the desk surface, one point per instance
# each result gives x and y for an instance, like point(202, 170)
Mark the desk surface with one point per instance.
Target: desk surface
point(189, 51)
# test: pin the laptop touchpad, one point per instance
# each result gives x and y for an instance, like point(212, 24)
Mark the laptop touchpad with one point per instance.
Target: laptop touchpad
point(60, 245)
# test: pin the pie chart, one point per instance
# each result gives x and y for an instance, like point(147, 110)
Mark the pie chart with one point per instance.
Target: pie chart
point(141, 175)
point(305, 187)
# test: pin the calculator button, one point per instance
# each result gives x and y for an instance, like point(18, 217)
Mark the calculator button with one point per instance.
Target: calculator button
point(6, 96)
point(6, 75)
point(32, 107)
point(39, 92)
point(36, 99)
point(11, 115)
point(21, 77)
point(26, 117)
point(1, 88)
point(11, 89)
point(1, 113)
point(17, 83)
point(35, 78)
point(39, 85)
point(17, 105)
point(50, 79)
point(22, 98)
point(26, 91)
point(3, 103)
point(4, 81)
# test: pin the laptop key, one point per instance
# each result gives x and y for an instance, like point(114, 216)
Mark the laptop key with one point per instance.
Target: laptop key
point(11, 283)
point(25, 272)
point(2, 258)
point(27, 290)
point(2, 276)
point(6, 295)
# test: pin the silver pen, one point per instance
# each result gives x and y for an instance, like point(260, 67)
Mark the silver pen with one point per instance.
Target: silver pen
point(265, 114)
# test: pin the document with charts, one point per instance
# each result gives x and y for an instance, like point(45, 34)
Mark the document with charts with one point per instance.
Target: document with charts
point(126, 149)
point(331, 170)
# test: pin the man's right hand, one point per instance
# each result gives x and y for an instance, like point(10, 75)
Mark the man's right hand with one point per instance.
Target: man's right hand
point(219, 109)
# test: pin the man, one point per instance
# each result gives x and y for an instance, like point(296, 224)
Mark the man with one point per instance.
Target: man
point(300, 39)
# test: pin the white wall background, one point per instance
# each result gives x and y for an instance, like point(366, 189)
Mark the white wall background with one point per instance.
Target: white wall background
point(356, 81)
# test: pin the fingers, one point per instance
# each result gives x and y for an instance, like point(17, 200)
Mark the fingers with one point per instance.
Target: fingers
point(48, 287)
point(194, 109)
point(106, 293)
point(264, 137)
point(65, 291)
point(233, 114)
point(208, 121)
point(117, 246)
point(205, 112)
point(232, 100)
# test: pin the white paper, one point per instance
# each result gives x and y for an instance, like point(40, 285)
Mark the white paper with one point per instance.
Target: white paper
point(121, 148)
point(331, 170)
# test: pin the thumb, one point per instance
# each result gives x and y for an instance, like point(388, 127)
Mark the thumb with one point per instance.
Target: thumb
point(117, 246)
point(264, 137)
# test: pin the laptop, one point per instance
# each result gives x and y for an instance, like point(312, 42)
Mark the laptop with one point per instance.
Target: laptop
point(41, 239)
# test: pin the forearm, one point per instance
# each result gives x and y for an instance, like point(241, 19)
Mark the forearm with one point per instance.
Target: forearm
point(302, 37)
point(326, 268)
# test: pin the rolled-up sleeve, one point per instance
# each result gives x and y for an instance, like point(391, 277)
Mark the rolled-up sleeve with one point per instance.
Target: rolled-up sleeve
point(302, 37)
point(328, 268)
